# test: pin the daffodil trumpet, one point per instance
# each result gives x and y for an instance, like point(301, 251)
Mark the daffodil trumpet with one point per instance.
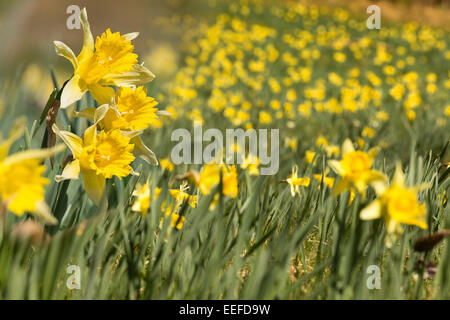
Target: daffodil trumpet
point(109, 61)
point(21, 181)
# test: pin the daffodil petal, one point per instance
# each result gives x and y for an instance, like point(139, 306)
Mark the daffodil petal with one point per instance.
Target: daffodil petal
point(347, 147)
point(379, 186)
point(163, 113)
point(94, 185)
point(70, 172)
point(33, 154)
point(90, 135)
point(101, 94)
point(15, 133)
point(87, 113)
point(372, 211)
point(44, 214)
point(100, 113)
point(88, 39)
point(72, 92)
point(399, 176)
point(74, 142)
point(373, 152)
point(138, 75)
point(336, 166)
point(132, 134)
point(143, 152)
point(63, 50)
point(131, 36)
point(341, 186)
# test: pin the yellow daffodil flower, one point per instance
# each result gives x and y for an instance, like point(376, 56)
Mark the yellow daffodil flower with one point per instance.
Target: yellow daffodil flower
point(21, 181)
point(355, 169)
point(109, 61)
point(295, 182)
point(396, 204)
point(98, 156)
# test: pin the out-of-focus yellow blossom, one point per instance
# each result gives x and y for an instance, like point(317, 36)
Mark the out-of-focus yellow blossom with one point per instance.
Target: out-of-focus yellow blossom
point(447, 111)
point(210, 177)
point(368, 132)
point(295, 182)
point(355, 169)
point(108, 61)
point(413, 100)
point(166, 164)
point(251, 163)
point(431, 77)
point(309, 157)
point(292, 143)
point(397, 91)
point(431, 88)
point(21, 181)
point(411, 115)
point(162, 60)
point(321, 141)
point(397, 204)
point(339, 57)
point(265, 117)
point(142, 202)
point(382, 115)
point(328, 181)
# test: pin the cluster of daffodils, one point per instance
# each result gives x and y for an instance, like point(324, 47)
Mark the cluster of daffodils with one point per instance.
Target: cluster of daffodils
point(257, 74)
point(107, 68)
point(396, 203)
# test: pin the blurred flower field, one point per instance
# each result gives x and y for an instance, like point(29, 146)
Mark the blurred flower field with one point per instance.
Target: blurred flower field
point(364, 175)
